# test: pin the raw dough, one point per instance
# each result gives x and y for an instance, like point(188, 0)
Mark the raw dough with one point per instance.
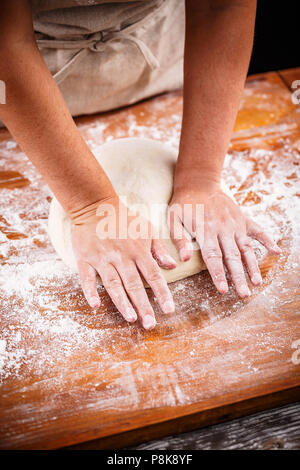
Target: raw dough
point(142, 171)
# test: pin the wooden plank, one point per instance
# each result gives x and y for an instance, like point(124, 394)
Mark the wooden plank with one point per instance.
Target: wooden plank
point(278, 429)
point(209, 416)
point(70, 375)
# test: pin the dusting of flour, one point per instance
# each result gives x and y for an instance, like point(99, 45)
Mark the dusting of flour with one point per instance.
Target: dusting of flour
point(45, 321)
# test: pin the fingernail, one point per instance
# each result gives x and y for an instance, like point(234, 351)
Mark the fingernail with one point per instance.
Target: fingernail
point(256, 278)
point(244, 291)
point(94, 302)
point(167, 259)
point(149, 322)
point(223, 287)
point(185, 253)
point(276, 249)
point(130, 315)
point(168, 307)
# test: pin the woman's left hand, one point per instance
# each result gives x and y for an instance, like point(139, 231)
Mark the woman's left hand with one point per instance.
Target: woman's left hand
point(224, 235)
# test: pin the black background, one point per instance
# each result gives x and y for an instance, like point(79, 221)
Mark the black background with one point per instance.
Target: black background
point(277, 36)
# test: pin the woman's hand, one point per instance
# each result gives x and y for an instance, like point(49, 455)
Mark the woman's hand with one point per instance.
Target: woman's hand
point(224, 237)
point(119, 262)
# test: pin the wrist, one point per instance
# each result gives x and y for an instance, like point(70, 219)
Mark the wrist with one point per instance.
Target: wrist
point(196, 181)
point(88, 214)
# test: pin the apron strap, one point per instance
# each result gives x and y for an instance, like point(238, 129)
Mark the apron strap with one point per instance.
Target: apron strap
point(141, 45)
point(68, 67)
point(95, 43)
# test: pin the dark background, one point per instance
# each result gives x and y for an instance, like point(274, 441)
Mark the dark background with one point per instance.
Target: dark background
point(277, 36)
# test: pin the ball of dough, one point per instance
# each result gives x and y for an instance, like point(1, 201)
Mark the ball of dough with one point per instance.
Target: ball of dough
point(141, 172)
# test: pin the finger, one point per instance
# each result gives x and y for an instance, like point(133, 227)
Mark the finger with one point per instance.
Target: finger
point(181, 238)
point(87, 275)
point(212, 256)
point(135, 289)
point(157, 282)
point(249, 259)
point(256, 232)
point(233, 261)
point(114, 287)
point(161, 255)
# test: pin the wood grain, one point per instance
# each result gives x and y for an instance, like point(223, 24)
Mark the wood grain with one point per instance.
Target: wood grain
point(278, 429)
point(72, 376)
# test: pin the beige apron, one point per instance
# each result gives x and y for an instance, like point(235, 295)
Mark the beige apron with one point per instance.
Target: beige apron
point(104, 55)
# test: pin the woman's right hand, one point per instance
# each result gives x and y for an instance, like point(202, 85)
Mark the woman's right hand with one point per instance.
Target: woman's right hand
point(120, 263)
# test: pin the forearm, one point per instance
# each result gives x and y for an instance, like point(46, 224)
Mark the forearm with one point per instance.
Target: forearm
point(217, 52)
point(38, 118)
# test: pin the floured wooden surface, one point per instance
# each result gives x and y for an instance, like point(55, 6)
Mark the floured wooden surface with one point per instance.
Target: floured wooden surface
point(69, 374)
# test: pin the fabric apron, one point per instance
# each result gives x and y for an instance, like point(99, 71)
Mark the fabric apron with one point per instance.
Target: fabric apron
point(104, 55)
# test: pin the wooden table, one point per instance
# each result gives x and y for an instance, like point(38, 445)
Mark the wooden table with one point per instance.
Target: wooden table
point(276, 429)
point(73, 377)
